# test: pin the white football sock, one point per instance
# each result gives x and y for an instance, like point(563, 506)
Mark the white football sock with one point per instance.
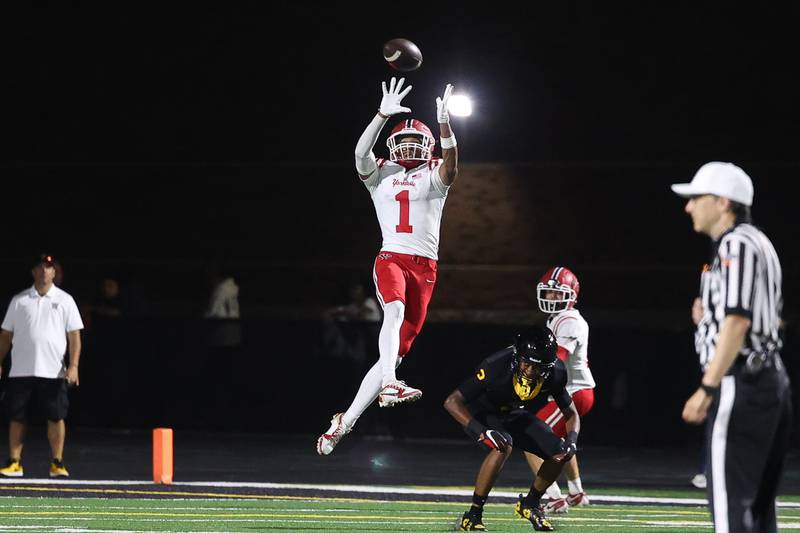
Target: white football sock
point(554, 491)
point(367, 392)
point(575, 485)
point(389, 339)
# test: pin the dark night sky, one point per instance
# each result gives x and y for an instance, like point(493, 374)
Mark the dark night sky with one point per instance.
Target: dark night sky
point(189, 118)
point(145, 140)
point(295, 81)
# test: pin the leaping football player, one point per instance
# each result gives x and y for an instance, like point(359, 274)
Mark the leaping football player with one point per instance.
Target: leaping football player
point(409, 191)
point(557, 293)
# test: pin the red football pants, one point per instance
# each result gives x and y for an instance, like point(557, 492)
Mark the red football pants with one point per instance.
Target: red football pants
point(410, 279)
point(551, 415)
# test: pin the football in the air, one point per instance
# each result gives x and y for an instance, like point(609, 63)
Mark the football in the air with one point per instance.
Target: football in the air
point(402, 54)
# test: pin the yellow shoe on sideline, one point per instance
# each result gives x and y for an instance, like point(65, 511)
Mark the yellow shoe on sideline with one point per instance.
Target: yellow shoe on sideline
point(12, 469)
point(57, 469)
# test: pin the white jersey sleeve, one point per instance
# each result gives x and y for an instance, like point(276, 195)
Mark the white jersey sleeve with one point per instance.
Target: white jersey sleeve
point(372, 181)
point(409, 205)
point(72, 317)
point(572, 334)
point(437, 185)
point(8, 321)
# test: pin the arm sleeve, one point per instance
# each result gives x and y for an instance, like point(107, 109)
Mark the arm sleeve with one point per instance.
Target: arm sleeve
point(365, 159)
point(475, 385)
point(562, 353)
point(490, 369)
point(8, 321)
point(570, 333)
point(738, 265)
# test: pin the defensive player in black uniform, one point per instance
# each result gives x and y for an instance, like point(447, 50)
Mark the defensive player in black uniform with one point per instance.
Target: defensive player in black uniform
point(497, 407)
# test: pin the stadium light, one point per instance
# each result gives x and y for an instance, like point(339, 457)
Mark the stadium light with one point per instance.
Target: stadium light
point(460, 105)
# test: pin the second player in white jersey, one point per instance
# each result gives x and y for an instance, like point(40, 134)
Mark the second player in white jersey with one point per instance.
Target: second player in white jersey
point(572, 334)
point(409, 205)
point(557, 293)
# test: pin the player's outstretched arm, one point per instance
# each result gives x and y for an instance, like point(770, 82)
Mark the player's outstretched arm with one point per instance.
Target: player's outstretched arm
point(390, 105)
point(573, 427)
point(449, 169)
point(572, 420)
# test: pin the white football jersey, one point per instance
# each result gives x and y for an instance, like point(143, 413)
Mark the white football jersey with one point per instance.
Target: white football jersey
point(409, 205)
point(572, 334)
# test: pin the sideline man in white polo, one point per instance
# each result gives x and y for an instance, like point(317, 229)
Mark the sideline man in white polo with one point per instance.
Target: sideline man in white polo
point(39, 325)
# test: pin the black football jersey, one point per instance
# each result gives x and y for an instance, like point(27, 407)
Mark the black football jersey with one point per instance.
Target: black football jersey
point(494, 385)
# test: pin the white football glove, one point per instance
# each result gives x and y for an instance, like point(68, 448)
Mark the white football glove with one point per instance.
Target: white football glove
point(390, 103)
point(442, 116)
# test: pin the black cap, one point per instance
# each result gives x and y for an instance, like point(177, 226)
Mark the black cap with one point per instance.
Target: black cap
point(44, 259)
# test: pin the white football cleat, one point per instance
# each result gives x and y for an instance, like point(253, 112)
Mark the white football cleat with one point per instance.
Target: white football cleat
point(556, 506)
point(578, 500)
point(396, 392)
point(328, 440)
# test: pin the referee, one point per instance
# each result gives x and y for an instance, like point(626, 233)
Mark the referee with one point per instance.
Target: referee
point(744, 394)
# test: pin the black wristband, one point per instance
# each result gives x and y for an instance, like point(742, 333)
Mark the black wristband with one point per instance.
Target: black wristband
point(709, 390)
point(572, 438)
point(474, 429)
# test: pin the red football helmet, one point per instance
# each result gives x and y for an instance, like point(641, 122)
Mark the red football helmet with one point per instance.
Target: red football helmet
point(561, 282)
point(422, 150)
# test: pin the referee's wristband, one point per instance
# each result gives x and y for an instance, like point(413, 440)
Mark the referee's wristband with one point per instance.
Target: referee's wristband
point(709, 390)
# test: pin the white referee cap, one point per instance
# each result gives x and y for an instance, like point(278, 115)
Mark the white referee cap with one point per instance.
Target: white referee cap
point(720, 179)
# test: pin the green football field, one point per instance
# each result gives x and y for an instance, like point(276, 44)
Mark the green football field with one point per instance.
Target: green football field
point(243, 512)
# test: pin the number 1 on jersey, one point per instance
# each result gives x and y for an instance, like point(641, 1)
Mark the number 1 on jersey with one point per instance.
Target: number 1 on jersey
point(403, 226)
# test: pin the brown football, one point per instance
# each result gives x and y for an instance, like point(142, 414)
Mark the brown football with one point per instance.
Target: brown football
point(402, 55)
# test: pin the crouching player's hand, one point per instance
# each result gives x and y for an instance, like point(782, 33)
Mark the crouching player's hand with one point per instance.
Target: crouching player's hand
point(569, 448)
point(492, 439)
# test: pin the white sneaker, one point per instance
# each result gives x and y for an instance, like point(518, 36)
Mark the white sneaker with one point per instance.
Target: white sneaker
point(556, 506)
point(578, 500)
point(328, 440)
point(396, 392)
point(700, 481)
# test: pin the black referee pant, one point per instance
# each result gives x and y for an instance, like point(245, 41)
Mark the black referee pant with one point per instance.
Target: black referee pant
point(748, 439)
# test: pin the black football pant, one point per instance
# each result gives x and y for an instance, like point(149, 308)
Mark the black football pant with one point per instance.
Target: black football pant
point(527, 431)
point(748, 440)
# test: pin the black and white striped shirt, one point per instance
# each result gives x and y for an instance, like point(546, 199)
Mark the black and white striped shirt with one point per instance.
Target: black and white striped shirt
point(744, 278)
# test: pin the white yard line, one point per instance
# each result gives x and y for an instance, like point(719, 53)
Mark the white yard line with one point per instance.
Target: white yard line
point(360, 489)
